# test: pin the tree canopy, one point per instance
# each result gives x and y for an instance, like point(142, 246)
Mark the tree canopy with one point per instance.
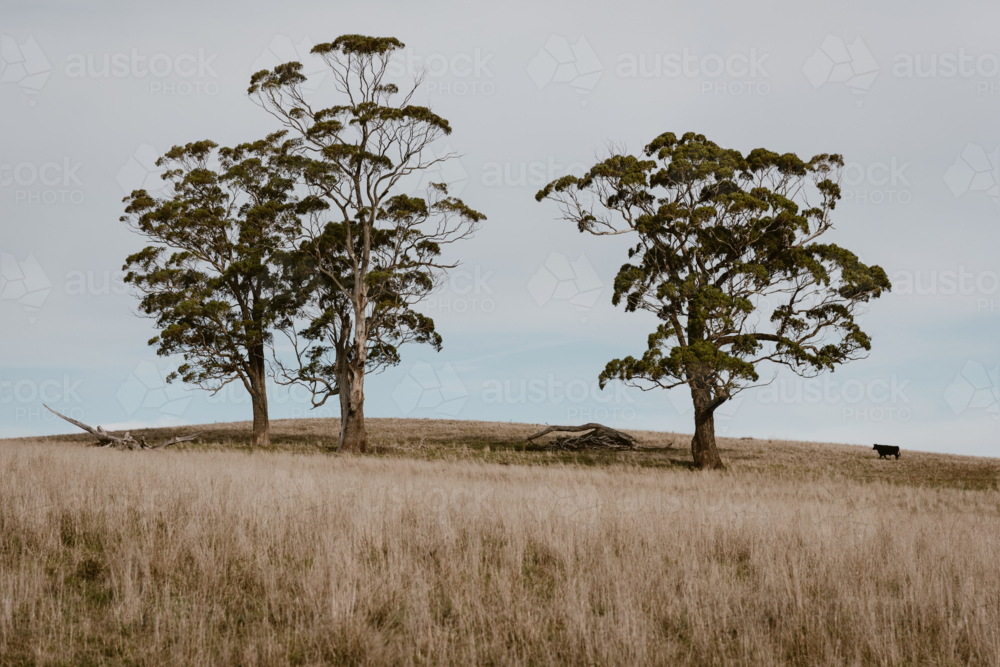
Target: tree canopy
point(209, 278)
point(728, 259)
point(366, 252)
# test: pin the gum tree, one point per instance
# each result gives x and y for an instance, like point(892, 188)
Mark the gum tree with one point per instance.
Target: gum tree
point(728, 259)
point(318, 278)
point(373, 250)
point(209, 280)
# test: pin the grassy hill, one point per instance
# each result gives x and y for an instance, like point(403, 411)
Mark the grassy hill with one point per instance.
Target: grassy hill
point(456, 543)
point(505, 443)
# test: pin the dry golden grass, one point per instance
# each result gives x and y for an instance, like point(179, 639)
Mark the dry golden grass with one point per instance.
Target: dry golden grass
point(454, 554)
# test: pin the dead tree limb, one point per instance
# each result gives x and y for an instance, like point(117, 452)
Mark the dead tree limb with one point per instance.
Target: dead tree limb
point(174, 441)
point(597, 437)
point(105, 439)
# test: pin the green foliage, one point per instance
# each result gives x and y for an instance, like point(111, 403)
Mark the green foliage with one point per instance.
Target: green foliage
point(366, 254)
point(727, 259)
point(318, 278)
point(209, 280)
point(360, 44)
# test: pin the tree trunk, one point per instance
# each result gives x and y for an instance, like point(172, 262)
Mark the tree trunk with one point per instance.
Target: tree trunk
point(258, 397)
point(261, 422)
point(703, 449)
point(353, 436)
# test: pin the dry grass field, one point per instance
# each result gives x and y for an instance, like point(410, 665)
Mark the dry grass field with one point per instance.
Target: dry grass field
point(475, 549)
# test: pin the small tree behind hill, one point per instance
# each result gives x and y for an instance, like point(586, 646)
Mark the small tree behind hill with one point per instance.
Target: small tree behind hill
point(727, 259)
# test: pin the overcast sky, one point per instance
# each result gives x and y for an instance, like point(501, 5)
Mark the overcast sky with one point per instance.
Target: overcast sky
point(93, 92)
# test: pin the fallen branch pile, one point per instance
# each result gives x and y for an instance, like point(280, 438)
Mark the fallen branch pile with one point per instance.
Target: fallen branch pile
point(598, 437)
point(105, 439)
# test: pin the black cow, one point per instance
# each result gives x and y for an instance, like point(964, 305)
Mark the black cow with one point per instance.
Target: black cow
point(886, 451)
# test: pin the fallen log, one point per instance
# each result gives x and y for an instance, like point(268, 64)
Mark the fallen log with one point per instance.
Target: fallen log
point(105, 439)
point(598, 436)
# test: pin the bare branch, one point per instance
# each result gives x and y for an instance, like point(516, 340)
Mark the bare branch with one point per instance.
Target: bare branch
point(126, 441)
